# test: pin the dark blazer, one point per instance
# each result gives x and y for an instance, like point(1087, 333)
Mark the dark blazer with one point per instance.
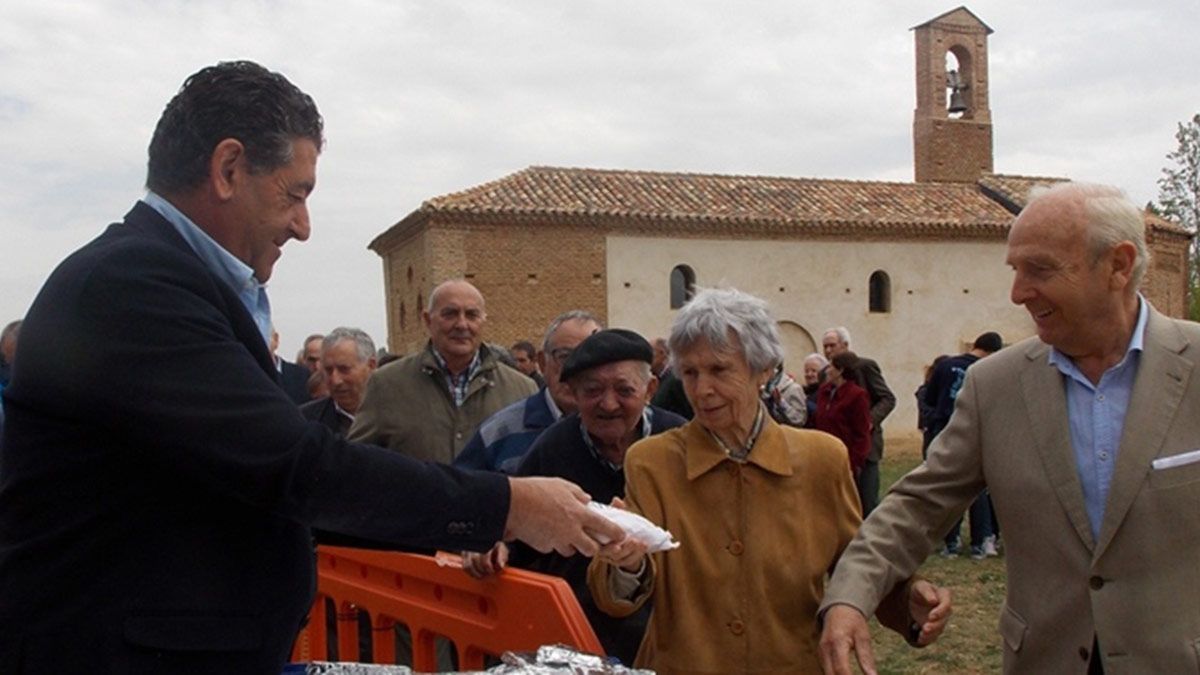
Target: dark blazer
point(324, 411)
point(294, 379)
point(158, 490)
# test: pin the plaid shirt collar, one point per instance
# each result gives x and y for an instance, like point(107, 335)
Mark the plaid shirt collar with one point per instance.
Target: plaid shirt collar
point(460, 384)
point(647, 424)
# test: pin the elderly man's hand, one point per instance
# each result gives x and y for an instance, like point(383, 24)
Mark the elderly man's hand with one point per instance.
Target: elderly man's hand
point(846, 631)
point(481, 565)
point(930, 608)
point(552, 514)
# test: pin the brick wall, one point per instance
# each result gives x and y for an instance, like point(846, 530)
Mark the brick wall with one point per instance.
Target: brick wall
point(1165, 285)
point(950, 150)
point(528, 274)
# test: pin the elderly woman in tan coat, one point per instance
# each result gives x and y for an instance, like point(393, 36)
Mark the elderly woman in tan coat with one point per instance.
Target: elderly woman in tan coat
point(762, 513)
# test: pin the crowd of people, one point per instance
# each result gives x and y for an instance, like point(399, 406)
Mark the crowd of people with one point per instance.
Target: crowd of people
point(164, 474)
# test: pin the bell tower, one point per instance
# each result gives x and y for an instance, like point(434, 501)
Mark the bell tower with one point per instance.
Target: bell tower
point(952, 125)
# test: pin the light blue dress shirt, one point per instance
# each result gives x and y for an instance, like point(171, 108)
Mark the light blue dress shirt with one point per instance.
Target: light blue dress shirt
point(220, 262)
point(1097, 417)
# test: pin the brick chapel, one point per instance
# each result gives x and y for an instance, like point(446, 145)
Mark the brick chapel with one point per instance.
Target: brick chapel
point(912, 269)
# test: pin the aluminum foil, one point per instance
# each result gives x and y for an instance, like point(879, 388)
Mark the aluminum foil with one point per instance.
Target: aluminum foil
point(548, 660)
point(345, 668)
point(560, 660)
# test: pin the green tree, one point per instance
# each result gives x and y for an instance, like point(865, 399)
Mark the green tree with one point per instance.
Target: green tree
point(1179, 198)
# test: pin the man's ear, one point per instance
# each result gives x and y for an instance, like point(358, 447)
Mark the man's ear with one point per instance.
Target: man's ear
point(1121, 264)
point(541, 360)
point(651, 387)
point(228, 158)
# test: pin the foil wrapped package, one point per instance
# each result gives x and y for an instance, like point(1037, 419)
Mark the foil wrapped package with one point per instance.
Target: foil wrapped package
point(654, 537)
point(344, 668)
point(547, 660)
point(559, 660)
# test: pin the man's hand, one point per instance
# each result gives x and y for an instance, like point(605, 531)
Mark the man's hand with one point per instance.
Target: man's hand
point(846, 631)
point(481, 565)
point(930, 608)
point(552, 514)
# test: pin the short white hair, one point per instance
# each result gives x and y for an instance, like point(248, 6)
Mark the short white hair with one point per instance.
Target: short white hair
point(713, 314)
point(1110, 218)
point(842, 333)
point(819, 358)
point(364, 346)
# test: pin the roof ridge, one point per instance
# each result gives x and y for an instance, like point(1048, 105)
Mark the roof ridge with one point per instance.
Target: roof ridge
point(740, 176)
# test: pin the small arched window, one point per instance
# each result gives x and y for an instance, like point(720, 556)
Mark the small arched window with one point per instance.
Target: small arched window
point(880, 293)
point(683, 285)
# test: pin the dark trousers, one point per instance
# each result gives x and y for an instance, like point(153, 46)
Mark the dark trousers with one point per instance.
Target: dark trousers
point(867, 483)
point(981, 523)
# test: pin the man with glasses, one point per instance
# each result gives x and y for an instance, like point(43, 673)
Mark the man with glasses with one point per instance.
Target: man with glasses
point(428, 404)
point(504, 438)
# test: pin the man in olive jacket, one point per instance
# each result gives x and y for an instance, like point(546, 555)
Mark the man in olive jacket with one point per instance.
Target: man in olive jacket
point(429, 404)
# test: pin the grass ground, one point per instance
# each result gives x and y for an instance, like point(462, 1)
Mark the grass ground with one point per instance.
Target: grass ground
point(971, 643)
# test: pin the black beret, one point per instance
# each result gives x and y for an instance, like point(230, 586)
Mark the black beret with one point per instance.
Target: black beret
point(607, 346)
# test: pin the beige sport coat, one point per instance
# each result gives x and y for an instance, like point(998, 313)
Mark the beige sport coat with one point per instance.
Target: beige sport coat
point(1136, 587)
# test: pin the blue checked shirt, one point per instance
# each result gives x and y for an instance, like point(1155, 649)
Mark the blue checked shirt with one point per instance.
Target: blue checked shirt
point(459, 385)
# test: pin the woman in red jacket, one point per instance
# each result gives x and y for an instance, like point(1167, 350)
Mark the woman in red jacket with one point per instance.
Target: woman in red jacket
point(844, 408)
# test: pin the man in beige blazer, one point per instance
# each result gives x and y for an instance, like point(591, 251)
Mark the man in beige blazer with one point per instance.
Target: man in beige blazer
point(1088, 438)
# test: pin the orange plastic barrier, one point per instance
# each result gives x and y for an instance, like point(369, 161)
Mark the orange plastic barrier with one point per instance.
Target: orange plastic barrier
point(515, 610)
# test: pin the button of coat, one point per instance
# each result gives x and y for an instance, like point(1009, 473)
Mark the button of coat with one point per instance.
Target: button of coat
point(737, 627)
point(736, 548)
point(1096, 583)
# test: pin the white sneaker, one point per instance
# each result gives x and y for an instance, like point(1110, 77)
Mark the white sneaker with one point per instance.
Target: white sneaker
point(989, 546)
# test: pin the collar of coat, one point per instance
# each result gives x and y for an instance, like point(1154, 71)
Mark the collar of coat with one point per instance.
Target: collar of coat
point(770, 451)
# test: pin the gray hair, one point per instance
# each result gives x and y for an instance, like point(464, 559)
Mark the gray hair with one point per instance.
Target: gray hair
point(581, 315)
point(1110, 218)
point(363, 345)
point(644, 371)
point(819, 358)
point(842, 333)
point(714, 314)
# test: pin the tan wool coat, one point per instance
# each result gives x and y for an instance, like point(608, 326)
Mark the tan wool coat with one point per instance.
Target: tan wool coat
point(757, 539)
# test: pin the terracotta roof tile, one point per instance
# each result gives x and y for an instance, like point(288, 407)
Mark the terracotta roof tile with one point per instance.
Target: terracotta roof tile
point(766, 199)
point(766, 205)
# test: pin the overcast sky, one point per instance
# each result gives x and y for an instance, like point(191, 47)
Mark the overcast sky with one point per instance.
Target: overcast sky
point(425, 98)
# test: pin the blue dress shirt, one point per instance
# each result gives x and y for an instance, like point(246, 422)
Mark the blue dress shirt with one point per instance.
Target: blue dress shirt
point(1096, 414)
point(220, 262)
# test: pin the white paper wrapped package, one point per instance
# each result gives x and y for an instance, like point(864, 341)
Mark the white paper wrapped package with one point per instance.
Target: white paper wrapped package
point(654, 537)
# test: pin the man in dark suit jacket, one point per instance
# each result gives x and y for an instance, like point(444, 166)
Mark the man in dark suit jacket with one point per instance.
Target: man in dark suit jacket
point(347, 360)
point(158, 491)
point(834, 342)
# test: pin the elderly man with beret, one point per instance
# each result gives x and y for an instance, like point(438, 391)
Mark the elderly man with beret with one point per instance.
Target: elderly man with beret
point(610, 376)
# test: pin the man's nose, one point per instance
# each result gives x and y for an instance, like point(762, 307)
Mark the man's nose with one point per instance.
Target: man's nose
point(1020, 292)
point(301, 224)
point(608, 401)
